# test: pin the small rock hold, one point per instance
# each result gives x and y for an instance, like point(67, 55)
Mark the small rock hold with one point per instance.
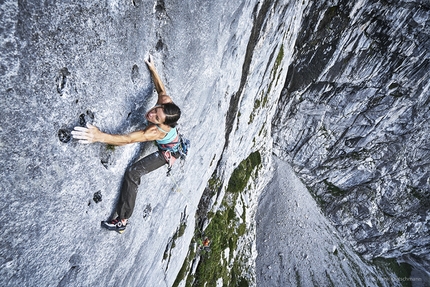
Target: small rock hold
point(147, 211)
point(90, 114)
point(160, 7)
point(85, 118)
point(64, 135)
point(159, 46)
point(62, 80)
point(97, 196)
point(137, 3)
point(135, 73)
point(82, 120)
point(334, 250)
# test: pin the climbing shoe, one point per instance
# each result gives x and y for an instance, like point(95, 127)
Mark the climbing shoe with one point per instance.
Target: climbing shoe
point(114, 225)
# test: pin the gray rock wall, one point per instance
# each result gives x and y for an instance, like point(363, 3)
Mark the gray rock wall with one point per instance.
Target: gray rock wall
point(353, 120)
point(72, 62)
point(298, 246)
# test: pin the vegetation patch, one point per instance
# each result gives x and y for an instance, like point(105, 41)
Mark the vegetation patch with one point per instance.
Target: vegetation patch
point(262, 101)
point(110, 147)
point(333, 189)
point(222, 231)
point(242, 173)
point(278, 62)
point(226, 227)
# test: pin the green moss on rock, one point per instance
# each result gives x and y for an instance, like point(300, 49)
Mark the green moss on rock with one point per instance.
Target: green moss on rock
point(242, 173)
point(224, 231)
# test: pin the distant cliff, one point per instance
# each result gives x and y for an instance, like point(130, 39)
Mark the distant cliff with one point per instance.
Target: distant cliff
point(353, 120)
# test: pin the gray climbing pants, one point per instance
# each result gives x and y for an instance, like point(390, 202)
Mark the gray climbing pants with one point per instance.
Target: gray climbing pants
point(127, 198)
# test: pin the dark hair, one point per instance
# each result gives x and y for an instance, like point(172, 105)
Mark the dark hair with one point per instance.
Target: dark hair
point(173, 113)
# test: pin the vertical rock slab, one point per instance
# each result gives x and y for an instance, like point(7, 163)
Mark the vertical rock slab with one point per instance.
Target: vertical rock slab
point(71, 63)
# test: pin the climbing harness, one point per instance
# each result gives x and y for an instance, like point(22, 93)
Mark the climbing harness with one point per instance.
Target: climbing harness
point(178, 148)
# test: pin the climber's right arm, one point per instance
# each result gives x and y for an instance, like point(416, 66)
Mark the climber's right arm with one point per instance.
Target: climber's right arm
point(92, 134)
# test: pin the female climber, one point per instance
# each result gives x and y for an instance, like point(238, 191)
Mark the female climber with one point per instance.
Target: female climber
point(162, 119)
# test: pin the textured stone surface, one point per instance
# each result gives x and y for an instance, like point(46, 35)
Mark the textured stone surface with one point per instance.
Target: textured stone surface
point(298, 246)
point(67, 63)
point(353, 120)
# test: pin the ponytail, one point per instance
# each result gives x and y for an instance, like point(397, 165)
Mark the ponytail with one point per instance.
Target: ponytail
point(173, 113)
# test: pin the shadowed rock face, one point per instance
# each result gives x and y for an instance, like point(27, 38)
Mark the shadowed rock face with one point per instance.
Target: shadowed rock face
point(353, 120)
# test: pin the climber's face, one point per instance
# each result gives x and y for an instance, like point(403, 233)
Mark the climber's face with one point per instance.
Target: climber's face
point(156, 115)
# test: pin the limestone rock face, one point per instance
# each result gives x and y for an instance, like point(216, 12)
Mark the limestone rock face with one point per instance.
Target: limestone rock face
point(339, 88)
point(69, 63)
point(353, 120)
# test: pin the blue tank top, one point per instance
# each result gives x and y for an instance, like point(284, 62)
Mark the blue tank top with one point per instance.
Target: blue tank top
point(170, 136)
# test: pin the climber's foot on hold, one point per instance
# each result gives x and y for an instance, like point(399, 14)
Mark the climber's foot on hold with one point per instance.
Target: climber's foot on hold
point(116, 224)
